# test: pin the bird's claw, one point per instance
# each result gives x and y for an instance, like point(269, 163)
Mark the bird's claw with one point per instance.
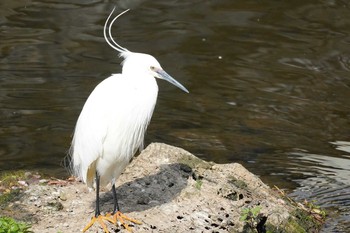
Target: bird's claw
point(119, 218)
point(99, 219)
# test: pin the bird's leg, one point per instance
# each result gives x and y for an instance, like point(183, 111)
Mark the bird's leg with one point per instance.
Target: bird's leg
point(97, 204)
point(117, 216)
point(98, 217)
point(115, 200)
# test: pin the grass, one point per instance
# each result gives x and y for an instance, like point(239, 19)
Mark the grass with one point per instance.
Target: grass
point(250, 215)
point(309, 215)
point(9, 225)
point(198, 184)
point(12, 185)
point(10, 196)
point(8, 179)
point(9, 186)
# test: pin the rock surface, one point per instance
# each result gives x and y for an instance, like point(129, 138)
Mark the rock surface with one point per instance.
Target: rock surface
point(168, 190)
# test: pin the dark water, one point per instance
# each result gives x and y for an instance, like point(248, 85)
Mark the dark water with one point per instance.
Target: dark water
point(269, 84)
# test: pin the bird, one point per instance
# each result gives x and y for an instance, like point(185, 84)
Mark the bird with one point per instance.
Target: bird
point(112, 124)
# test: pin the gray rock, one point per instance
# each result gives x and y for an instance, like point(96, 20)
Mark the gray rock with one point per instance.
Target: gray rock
point(169, 190)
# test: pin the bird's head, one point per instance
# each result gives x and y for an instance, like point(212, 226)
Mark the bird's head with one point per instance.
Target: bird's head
point(141, 64)
point(137, 64)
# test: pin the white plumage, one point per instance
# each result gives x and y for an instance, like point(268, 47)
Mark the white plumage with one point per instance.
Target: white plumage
point(113, 122)
point(114, 119)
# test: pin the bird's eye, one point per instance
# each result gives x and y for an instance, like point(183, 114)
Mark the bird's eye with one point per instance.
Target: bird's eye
point(153, 68)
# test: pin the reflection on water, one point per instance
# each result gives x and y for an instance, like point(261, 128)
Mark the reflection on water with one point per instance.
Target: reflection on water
point(342, 146)
point(268, 80)
point(328, 184)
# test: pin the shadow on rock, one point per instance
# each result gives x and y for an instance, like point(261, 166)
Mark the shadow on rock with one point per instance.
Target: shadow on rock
point(149, 191)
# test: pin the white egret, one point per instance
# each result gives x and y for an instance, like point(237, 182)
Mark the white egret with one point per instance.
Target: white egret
point(113, 122)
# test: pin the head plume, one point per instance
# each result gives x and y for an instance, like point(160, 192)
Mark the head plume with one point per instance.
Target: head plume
point(107, 33)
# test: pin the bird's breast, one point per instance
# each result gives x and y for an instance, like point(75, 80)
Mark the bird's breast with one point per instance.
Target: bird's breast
point(126, 127)
point(129, 120)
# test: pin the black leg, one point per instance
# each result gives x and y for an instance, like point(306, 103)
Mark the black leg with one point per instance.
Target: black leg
point(97, 209)
point(116, 205)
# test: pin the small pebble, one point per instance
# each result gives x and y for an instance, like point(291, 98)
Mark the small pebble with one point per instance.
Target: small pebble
point(27, 174)
point(22, 182)
point(63, 197)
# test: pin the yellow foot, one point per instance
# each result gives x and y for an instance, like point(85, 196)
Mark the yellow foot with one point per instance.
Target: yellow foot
point(120, 218)
point(99, 219)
